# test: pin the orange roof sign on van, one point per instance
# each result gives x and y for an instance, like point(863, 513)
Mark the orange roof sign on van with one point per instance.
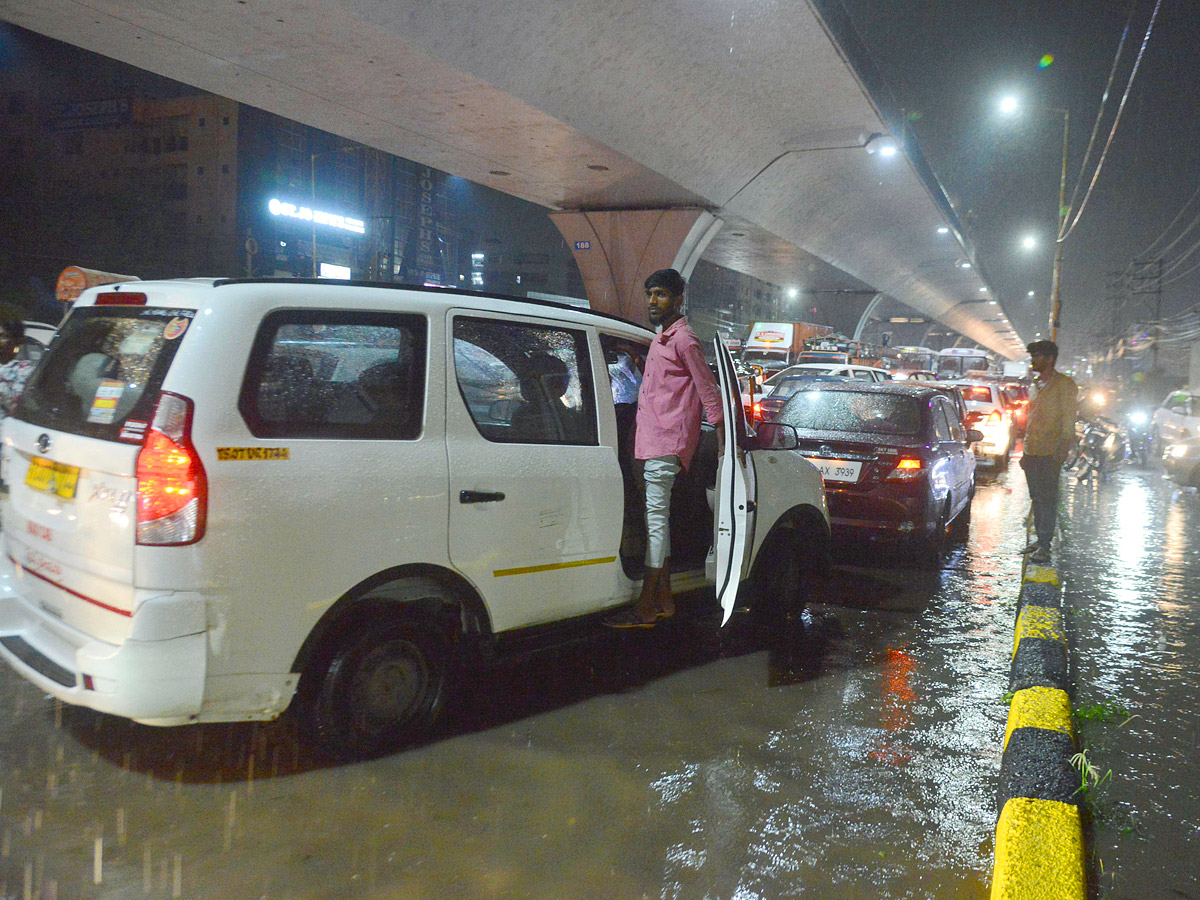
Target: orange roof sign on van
point(74, 280)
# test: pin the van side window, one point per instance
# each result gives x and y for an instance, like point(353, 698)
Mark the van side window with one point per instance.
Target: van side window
point(525, 384)
point(335, 374)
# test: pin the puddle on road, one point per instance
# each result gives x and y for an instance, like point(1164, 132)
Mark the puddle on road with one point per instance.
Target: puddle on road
point(856, 757)
point(1132, 598)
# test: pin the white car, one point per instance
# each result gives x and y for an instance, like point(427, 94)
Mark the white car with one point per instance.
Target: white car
point(839, 370)
point(987, 414)
point(230, 497)
point(37, 338)
point(1177, 419)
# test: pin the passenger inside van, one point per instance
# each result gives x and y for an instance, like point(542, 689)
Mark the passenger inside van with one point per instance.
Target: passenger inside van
point(542, 415)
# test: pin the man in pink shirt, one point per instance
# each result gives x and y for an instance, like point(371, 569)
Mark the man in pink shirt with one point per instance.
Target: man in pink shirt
point(676, 386)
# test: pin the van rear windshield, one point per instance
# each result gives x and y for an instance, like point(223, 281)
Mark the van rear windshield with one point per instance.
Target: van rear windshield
point(101, 376)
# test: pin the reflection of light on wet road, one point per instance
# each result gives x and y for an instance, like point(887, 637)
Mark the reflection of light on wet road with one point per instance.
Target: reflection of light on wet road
point(1131, 594)
point(1133, 516)
point(1176, 532)
point(898, 700)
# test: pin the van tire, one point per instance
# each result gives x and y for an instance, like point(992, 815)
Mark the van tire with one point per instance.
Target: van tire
point(379, 686)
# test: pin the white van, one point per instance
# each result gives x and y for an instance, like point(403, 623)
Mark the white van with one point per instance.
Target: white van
point(224, 495)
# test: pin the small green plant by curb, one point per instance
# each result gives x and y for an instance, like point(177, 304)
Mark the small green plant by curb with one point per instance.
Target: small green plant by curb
point(1089, 776)
point(1007, 698)
point(1104, 711)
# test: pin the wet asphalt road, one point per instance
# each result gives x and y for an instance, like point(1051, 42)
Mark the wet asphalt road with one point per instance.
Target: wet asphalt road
point(1132, 601)
point(857, 758)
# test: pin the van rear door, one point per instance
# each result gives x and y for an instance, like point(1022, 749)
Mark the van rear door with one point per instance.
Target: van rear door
point(69, 462)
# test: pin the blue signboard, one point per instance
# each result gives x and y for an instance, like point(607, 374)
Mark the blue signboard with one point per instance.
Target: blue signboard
point(583, 245)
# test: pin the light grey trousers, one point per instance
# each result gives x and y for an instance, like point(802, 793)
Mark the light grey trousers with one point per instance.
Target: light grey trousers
point(660, 479)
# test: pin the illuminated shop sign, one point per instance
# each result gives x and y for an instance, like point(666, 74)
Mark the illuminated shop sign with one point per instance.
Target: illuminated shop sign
point(292, 211)
point(330, 270)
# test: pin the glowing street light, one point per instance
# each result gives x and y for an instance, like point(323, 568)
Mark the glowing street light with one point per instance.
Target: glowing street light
point(1029, 242)
point(1009, 106)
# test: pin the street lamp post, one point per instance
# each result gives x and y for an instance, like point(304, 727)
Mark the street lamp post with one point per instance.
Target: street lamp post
point(1009, 106)
point(1056, 278)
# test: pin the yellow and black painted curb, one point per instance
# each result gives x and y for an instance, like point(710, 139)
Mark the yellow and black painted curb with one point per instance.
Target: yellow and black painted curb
point(1039, 834)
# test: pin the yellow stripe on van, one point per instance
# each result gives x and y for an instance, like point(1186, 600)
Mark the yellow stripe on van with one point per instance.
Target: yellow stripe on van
point(527, 570)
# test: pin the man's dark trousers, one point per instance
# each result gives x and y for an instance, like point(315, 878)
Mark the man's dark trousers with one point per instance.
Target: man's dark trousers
point(1041, 474)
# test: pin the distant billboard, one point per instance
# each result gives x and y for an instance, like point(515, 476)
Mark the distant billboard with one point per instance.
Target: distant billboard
point(76, 114)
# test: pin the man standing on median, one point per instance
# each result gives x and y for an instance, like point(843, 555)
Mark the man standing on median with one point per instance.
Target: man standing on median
point(1049, 436)
point(676, 385)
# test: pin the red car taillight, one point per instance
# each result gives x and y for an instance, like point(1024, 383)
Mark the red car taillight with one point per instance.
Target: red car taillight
point(172, 497)
point(995, 417)
point(906, 469)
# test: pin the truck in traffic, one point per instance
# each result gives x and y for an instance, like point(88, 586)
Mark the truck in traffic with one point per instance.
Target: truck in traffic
point(776, 345)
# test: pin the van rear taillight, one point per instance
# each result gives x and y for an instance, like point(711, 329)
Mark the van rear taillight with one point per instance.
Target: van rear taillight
point(121, 298)
point(172, 489)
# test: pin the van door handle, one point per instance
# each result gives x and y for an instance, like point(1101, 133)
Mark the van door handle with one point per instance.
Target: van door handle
point(480, 496)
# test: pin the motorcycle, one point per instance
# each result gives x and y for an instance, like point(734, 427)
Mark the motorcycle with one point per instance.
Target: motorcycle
point(1138, 431)
point(1103, 445)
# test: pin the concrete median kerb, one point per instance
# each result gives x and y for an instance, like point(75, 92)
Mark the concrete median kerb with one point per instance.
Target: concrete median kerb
point(1039, 622)
point(1039, 831)
point(1039, 851)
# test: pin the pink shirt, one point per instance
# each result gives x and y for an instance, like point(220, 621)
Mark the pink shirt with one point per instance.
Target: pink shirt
point(677, 383)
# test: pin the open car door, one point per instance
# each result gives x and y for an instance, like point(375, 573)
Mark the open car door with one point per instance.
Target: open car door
point(733, 503)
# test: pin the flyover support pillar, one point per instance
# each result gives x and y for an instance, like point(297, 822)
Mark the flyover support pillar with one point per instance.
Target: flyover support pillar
point(617, 249)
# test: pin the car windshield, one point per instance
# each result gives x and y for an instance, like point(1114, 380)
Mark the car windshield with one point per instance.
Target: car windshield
point(871, 413)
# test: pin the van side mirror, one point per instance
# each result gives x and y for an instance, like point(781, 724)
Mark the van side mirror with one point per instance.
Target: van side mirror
point(775, 436)
point(974, 435)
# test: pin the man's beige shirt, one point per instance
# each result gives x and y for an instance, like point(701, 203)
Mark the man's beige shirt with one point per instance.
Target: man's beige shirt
point(1050, 430)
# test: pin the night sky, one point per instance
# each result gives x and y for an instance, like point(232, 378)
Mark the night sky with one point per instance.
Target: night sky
point(950, 61)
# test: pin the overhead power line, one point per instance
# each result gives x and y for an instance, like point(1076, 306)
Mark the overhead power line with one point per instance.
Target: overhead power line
point(1067, 229)
point(1179, 215)
point(1112, 74)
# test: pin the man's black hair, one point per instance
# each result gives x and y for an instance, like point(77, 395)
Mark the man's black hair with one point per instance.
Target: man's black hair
point(15, 329)
point(1043, 348)
point(669, 279)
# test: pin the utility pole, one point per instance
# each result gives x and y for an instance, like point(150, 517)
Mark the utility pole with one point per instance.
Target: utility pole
point(1145, 280)
point(1114, 296)
point(1063, 214)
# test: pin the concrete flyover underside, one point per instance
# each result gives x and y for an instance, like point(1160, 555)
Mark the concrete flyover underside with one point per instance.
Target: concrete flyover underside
point(758, 116)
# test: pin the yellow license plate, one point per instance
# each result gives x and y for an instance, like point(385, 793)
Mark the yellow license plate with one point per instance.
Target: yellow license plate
point(52, 477)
